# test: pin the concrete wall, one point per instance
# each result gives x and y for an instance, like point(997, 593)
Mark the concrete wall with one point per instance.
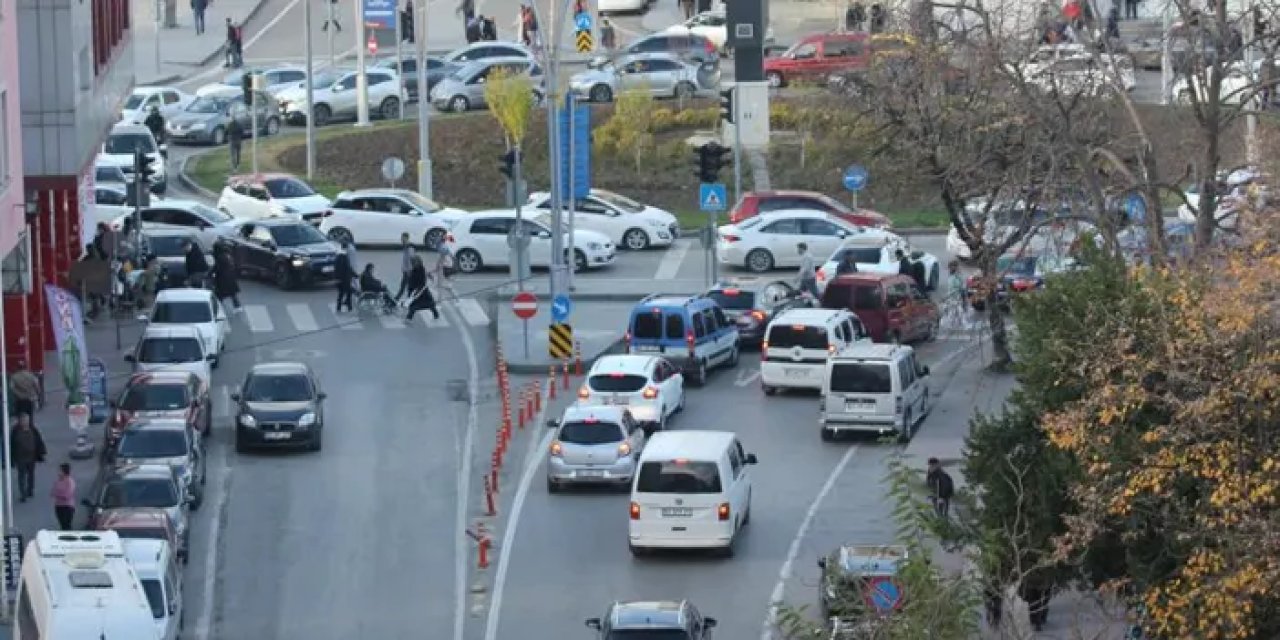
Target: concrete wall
point(11, 170)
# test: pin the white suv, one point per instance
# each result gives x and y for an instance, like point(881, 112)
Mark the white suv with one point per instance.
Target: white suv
point(649, 386)
point(380, 216)
point(628, 223)
point(339, 99)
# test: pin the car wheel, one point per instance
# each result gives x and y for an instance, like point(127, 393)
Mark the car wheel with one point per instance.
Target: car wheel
point(273, 126)
point(218, 137)
point(579, 261)
point(434, 239)
point(828, 435)
point(340, 235)
point(768, 390)
point(759, 261)
point(321, 113)
point(635, 239)
point(775, 80)
point(390, 108)
point(317, 443)
point(459, 104)
point(469, 261)
point(684, 91)
point(733, 358)
point(552, 486)
point(601, 93)
point(283, 278)
point(904, 436)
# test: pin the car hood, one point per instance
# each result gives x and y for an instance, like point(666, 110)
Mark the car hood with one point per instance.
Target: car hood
point(446, 87)
point(278, 411)
point(317, 249)
point(584, 236)
point(307, 204)
point(592, 76)
point(175, 462)
point(187, 118)
point(661, 215)
point(135, 116)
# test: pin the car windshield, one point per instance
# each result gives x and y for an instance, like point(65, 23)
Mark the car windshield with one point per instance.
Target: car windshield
point(426, 204)
point(288, 188)
point(156, 493)
point(126, 143)
point(1020, 265)
point(136, 100)
point(678, 476)
point(207, 105)
point(733, 299)
point(296, 235)
point(155, 597)
point(617, 382)
point(860, 377)
point(108, 174)
point(142, 533)
point(153, 443)
point(322, 80)
point(167, 246)
point(861, 255)
point(155, 397)
point(210, 214)
point(648, 634)
point(280, 388)
point(621, 202)
point(590, 433)
point(170, 350)
point(181, 313)
point(785, 336)
point(858, 297)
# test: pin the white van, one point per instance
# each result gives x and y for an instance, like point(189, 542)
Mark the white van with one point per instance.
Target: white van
point(173, 347)
point(157, 569)
point(692, 491)
point(874, 388)
point(78, 584)
point(798, 343)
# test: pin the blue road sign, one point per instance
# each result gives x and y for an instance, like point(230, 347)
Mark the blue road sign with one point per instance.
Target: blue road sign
point(1135, 206)
point(883, 595)
point(561, 307)
point(581, 136)
point(380, 14)
point(712, 196)
point(855, 178)
point(582, 21)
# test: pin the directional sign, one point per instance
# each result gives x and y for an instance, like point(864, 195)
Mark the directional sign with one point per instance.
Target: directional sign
point(1135, 206)
point(582, 21)
point(525, 305)
point(855, 178)
point(379, 14)
point(712, 196)
point(560, 341)
point(392, 169)
point(883, 594)
point(575, 137)
point(561, 307)
point(585, 42)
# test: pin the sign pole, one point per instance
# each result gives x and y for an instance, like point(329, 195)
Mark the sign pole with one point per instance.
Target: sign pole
point(572, 106)
point(8, 478)
point(362, 82)
point(424, 103)
point(526, 339)
point(737, 144)
point(399, 60)
point(311, 125)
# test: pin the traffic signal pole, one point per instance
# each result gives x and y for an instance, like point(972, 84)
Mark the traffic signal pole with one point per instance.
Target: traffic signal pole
point(735, 106)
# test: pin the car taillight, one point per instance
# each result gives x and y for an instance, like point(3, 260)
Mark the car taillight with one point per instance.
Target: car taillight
point(723, 511)
point(650, 393)
point(556, 449)
point(831, 349)
point(448, 237)
point(635, 510)
point(729, 237)
point(706, 44)
point(583, 393)
point(822, 275)
point(624, 449)
point(689, 340)
point(759, 316)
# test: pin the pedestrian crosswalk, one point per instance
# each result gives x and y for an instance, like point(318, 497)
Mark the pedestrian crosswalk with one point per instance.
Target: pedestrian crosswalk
point(300, 317)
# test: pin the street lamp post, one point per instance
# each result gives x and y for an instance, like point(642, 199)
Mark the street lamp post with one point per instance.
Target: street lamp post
point(311, 125)
point(551, 53)
point(362, 82)
point(424, 104)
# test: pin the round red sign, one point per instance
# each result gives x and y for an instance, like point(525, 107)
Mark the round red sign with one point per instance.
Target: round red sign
point(525, 305)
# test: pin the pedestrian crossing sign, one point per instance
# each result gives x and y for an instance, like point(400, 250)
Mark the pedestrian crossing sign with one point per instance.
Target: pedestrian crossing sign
point(711, 196)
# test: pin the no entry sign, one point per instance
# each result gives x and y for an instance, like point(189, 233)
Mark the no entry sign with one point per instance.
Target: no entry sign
point(525, 305)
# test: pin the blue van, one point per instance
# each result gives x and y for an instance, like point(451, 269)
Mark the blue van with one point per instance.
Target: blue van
point(692, 332)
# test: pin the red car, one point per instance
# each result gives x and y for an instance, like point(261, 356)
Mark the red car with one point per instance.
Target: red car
point(890, 306)
point(160, 394)
point(143, 523)
point(818, 56)
point(754, 203)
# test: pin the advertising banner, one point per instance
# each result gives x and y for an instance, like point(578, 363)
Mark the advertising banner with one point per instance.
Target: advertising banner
point(67, 318)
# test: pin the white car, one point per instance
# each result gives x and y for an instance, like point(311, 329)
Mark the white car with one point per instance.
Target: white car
point(380, 216)
point(1072, 68)
point(628, 223)
point(488, 49)
point(170, 100)
point(272, 195)
point(649, 386)
point(481, 240)
point(712, 25)
point(176, 347)
point(124, 140)
point(1236, 84)
point(622, 6)
point(207, 224)
point(276, 79)
point(877, 252)
point(297, 92)
point(197, 308)
point(339, 100)
point(111, 202)
point(771, 240)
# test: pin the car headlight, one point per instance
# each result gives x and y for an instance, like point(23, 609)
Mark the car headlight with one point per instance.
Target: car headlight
point(594, 246)
point(299, 261)
point(657, 223)
point(247, 420)
point(307, 420)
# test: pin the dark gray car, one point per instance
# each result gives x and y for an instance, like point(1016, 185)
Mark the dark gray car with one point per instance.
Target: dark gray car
point(686, 45)
point(280, 405)
point(206, 119)
point(437, 69)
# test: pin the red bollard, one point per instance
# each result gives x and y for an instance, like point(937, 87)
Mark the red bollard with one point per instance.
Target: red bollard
point(493, 471)
point(577, 358)
point(537, 398)
point(484, 552)
point(551, 383)
point(522, 404)
point(492, 509)
point(566, 375)
point(528, 401)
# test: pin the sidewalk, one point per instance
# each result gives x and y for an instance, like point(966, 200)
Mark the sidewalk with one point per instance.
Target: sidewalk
point(181, 51)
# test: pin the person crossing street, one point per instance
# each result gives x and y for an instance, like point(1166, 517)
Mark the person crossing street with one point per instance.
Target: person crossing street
point(422, 298)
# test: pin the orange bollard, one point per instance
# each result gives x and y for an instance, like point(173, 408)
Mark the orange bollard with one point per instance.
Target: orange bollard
point(493, 472)
point(529, 393)
point(566, 375)
point(484, 552)
point(577, 358)
point(523, 395)
point(491, 508)
point(537, 398)
point(551, 383)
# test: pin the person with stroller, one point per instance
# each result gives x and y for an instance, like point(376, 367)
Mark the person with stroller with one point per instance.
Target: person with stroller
point(421, 294)
point(371, 285)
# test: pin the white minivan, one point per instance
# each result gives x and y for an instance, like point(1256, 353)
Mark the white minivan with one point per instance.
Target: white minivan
point(798, 343)
point(874, 388)
point(692, 491)
point(174, 347)
point(157, 569)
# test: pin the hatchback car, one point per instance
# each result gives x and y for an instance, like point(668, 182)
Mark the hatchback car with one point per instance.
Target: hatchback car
point(197, 308)
point(773, 240)
point(144, 486)
point(286, 97)
point(381, 216)
point(437, 69)
point(752, 303)
point(272, 195)
point(463, 90)
point(754, 203)
point(279, 404)
point(157, 395)
point(206, 120)
point(594, 445)
point(662, 75)
point(486, 49)
point(669, 620)
point(651, 388)
point(628, 223)
point(176, 347)
point(890, 306)
point(144, 523)
point(290, 254)
point(170, 442)
point(480, 240)
point(685, 45)
point(207, 224)
point(168, 100)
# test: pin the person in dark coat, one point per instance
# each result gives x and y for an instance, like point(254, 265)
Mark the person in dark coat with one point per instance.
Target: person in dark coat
point(155, 124)
point(941, 488)
point(26, 449)
point(855, 15)
point(488, 29)
point(878, 18)
point(904, 263)
point(196, 264)
point(422, 298)
point(847, 264)
point(225, 284)
point(235, 134)
point(343, 271)
point(198, 7)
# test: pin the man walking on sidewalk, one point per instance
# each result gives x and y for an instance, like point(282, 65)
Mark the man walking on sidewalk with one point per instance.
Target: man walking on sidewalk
point(333, 17)
point(235, 133)
point(64, 497)
point(26, 448)
point(25, 387)
point(941, 488)
point(198, 7)
point(235, 46)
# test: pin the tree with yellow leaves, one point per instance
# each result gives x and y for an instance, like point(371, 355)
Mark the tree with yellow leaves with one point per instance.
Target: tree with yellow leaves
point(510, 98)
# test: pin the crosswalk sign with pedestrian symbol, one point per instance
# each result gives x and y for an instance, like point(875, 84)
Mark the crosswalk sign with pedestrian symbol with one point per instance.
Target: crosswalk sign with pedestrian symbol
point(711, 196)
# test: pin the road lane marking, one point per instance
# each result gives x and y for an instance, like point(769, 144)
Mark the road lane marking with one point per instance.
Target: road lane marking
point(779, 589)
point(670, 265)
point(212, 542)
point(472, 312)
point(391, 322)
point(746, 377)
point(302, 318)
point(258, 318)
point(461, 548)
point(222, 401)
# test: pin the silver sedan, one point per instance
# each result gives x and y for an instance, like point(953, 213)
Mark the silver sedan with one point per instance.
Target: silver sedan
point(664, 75)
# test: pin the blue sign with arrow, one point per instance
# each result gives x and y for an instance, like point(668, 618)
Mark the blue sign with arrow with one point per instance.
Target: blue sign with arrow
point(582, 21)
point(712, 196)
point(855, 178)
point(1135, 206)
point(561, 307)
point(577, 129)
point(883, 594)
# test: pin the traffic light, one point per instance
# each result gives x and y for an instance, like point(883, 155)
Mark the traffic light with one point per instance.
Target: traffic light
point(508, 166)
point(711, 159)
point(142, 167)
point(726, 105)
point(579, 7)
point(246, 85)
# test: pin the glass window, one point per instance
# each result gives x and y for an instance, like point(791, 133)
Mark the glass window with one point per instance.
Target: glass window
point(170, 350)
point(789, 226)
point(127, 143)
point(135, 101)
point(709, 320)
point(647, 326)
point(295, 235)
point(663, 65)
point(699, 328)
point(153, 443)
point(347, 83)
point(279, 388)
point(378, 78)
point(906, 375)
point(156, 493)
point(181, 313)
point(288, 188)
point(491, 226)
point(619, 201)
point(675, 326)
point(861, 255)
point(108, 174)
point(617, 382)
point(733, 299)
point(813, 227)
point(142, 533)
point(786, 336)
point(679, 476)
point(859, 297)
point(110, 197)
point(167, 246)
point(804, 51)
point(861, 377)
point(155, 397)
point(590, 433)
point(722, 321)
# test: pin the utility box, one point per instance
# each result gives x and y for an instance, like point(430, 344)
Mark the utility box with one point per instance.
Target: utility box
point(753, 116)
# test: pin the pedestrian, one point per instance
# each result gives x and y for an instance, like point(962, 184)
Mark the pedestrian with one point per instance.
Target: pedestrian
point(406, 265)
point(1034, 592)
point(198, 8)
point(64, 497)
point(195, 262)
point(155, 123)
point(26, 449)
point(225, 284)
point(345, 274)
point(608, 36)
point(1113, 24)
point(904, 263)
point(531, 27)
point(333, 17)
point(878, 18)
point(941, 488)
point(235, 46)
point(25, 387)
point(807, 278)
point(687, 7)
point(473, 29)
point(445, 270)
point(855, 16)
point(349, 246)
point(422, 298)
point(1131, 9)
point(235, 134)
point(488, 29)
point(848, 264)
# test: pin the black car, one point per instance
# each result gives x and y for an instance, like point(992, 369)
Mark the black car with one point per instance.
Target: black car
point(280, 405)
point(140, 486)
point(666, 619)
point(167, 246)
point(437, 69)
point(752, 303)
point(288, 251)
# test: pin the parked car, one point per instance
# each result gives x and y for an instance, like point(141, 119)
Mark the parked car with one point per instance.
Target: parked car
point(279, 404)
point(126, 139)
point(753, 203)
point(380, 216)
point(291, 254)
point(890, 306)
point(816, 57)
point(877, 252)
point(714, 26)
point(169, 100)
point(752, 303)
point(437, 69)
point(486, 49)
point(339, 100)
point(270, 195)
point(685, 45)
point(205, 121)
point(463, 90)
point(663, 75)
point(480, 240)
point(772, 240)
point(167, 247)
point(169, 442)
point(626, 222)
point(144, 523)
point(297, 93)
point(156, 395)
point(207, 224)
point(275, 79)
point(189, 307)
point(139, 486)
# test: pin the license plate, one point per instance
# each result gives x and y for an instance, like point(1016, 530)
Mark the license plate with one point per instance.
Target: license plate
point(858, 405)
point(328, 269)
point(621, 400)
point(276, 435)
point(645, 348)
point(796, 372)
point(676, 512)
point(589, 474)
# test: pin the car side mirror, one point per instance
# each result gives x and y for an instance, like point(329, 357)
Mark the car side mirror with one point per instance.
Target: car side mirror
point(924, 371)
point(751, 459)
point(235, 397)
point(129, 357)
point(822, 563)
point(710, 623)
point(270, 245)
point(321, 396)
point(593, 623)
point(552, 424)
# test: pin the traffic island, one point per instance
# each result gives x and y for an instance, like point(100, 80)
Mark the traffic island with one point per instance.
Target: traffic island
point(597, 329)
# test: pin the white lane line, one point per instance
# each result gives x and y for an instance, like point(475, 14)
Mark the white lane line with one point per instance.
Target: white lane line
point(746, 377)
point(671, 262)
point(533, 460)
point(222, 401)
point(472, 312)
point(461, 549)
point(391, 322)
point(222, 490)
point(302, 318)
point(258, 318)
point(779, 589)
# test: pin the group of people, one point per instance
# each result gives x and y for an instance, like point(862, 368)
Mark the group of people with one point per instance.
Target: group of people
point(27, 446)
point(414, 280)
point(856, 17)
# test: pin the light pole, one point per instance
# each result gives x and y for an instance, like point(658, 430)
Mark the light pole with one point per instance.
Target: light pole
point(1251, 114)
point(362, 82)
point(311, 81)
point(551, 52)
point(424, 104)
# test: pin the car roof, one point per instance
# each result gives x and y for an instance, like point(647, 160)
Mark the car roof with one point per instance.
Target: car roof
point(497, 213)
point(135, 517)
point(604, 413)
point(171, 331)
point(260, 177)
point(693, 444)
point(145, 470)
point(744, 283)
point(377, 191)
point(280, 221)
point(175, 204)
point(798, 213)
point(160, 377)
point(185, 294)
point(624, 364)
point(783, 193)
point(651, 55)
point(129, 127)
point(157, 424)
point(669, 300)
point(808, 316)
point(146, 555)
point(280, 369)
point(648, 614)
point(151, 88)
point(871, 351)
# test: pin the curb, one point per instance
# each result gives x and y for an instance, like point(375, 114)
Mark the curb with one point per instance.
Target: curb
point(221, 51)
point(524, 368)
point(190, 184)
point(169, 79)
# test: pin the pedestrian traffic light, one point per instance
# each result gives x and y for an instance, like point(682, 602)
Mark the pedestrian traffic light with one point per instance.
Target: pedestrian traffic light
point(508, 166)
point(246, 85)
point(726, 105)
point(711, 159)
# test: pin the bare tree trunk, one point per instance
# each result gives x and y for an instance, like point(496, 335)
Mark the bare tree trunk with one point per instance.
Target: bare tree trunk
point(1001, 357)
point(1207, 207)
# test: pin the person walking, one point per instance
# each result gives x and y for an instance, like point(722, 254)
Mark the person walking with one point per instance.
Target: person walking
point(488, 29)
point(686, 6)
point(349, 246)
point(26, 449)
point(941, 488)
point(807, 278)
point(954, 305)
point(235, 135)
point(198, 7)
point(406, 265)
point(195, 262)
point(345, 273)
point(878, 18)
point(531, 27)
point(848, 264)
point(225, 284)
point(422, 298)
point(855, 16)
point(64, 497)
point(155, 124)
point(445, 270)
point(333, 17)
point(473, 29)
point(25, 387)
point(235, 46)
point(608, 35)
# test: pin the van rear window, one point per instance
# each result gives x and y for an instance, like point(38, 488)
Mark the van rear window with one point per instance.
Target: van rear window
point(861, 377)
point(675, 326)
point(617, 383)
point(678, 476)
point(648, 326)
point(852, 296)
point(785, 336)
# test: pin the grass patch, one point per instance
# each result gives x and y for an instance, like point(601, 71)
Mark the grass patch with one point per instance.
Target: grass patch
point(919, 218)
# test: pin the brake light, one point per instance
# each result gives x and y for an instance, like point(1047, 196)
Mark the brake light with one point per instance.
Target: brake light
point(583, 393)
point(730, 292)
point(617, 374)
point(624, 449)
point(556, 449)
point(689, 340)
point(592, 420)
point(729, 237)
point(650, 393)
point(822, 275)
point(706, 44)
point(635, 511)
point(831, 349)
point(758, 315)
point(764, 346)
point(448, 237)
point(723, 511)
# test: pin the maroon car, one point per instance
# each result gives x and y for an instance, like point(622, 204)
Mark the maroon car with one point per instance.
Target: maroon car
point(160, 394)
point(754, 203)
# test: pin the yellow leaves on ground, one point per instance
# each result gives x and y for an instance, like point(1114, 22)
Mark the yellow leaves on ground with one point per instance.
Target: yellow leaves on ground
point(510, 99)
